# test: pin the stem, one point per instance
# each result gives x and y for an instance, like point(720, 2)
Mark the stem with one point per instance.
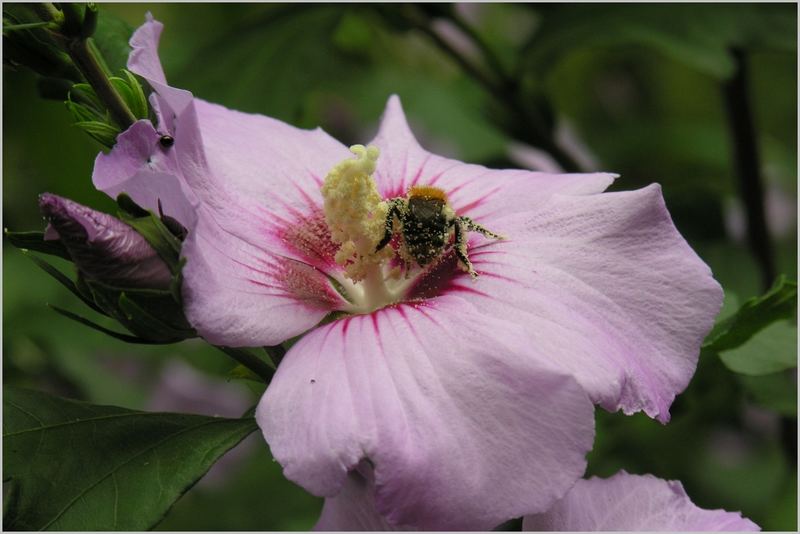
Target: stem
point(47, 12)
point(247, 359)
point(745, 149)
point(491, 58)
point(506, 91)
point(78, 49)
point(488, 84)
point(25, 26)
point(73, 38)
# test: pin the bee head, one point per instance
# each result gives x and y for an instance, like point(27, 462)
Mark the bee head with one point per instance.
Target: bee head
point(426, 192)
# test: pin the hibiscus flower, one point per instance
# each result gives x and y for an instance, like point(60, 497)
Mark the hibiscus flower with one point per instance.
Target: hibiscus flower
point(465, 401)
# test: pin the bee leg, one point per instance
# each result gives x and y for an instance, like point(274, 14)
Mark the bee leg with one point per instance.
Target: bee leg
point(472, 226)
point(395, 207)
point(461, 247)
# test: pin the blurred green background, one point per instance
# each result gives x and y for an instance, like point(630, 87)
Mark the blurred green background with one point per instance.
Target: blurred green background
point(638, 89)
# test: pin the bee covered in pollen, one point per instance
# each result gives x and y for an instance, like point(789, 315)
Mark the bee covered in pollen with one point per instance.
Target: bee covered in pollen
point(426, 224)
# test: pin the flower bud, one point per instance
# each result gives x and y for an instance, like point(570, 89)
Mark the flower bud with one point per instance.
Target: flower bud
point(103, 248)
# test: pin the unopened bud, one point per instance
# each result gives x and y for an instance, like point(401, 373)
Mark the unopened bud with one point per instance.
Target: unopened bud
point(103, 248)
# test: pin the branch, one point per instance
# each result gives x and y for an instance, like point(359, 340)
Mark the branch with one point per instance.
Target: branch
point(748, 168)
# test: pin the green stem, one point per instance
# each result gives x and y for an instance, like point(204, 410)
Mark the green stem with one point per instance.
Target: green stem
point(505, 92)
point(78, 49)
point(26, 26)
point(491, 58)
point(247, 359)
point(47, 12)
point(75, 42)
point(748, 166)
point(420, 22)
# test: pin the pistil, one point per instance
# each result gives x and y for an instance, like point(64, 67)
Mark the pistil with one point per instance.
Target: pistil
point(355, 214)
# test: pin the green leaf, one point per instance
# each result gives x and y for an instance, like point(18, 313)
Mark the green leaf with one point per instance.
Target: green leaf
point(101, 132)
point(779, 302)
point(83, 92)
point(150, 226)
point(132, 93)
point(154, 327)
point(151, 314)
point(80, 466)
point(35, 241)
point(79, 112)
point(138, 103)
point(699, 35)
point(771, 350)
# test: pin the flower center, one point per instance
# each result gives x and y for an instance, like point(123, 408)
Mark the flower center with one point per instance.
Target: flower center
point(356, 216)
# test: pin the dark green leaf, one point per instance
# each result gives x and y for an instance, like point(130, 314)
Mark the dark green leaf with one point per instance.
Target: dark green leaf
point(87, 467)
point(35, 241)
point(780, 302)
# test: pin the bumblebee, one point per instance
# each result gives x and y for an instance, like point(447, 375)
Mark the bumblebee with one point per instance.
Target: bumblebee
point(426, 224)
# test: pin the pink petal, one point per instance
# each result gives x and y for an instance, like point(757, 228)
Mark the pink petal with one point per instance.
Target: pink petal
point(473, 190)
point(633, 503)
point(144, 50)
point(139, 166)
point(143, 60)
point(458, 421)
point(237, 294)
point(353, 509)
point(607, 289)
point(257, 269)
point(259, 171)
